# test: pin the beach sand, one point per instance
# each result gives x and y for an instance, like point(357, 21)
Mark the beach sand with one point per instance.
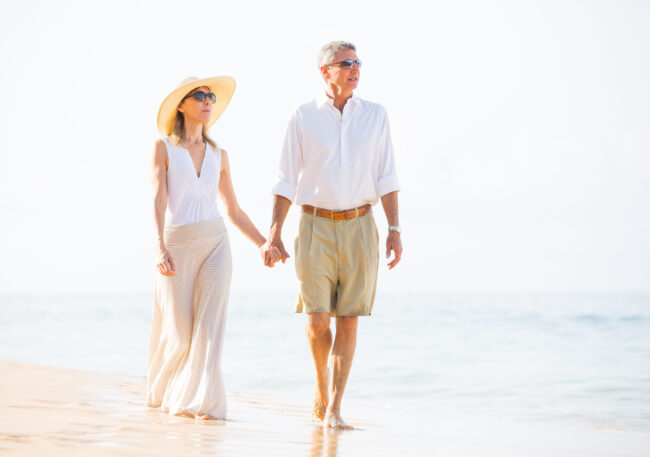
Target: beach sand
point(48, 411)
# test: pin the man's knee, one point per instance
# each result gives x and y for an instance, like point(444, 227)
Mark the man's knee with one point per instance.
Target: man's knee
point(318, 323)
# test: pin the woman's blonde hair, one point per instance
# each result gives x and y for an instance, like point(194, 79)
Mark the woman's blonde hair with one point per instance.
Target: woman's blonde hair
point(178, 130)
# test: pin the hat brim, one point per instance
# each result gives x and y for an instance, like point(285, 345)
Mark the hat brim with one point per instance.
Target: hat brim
point(222, 86)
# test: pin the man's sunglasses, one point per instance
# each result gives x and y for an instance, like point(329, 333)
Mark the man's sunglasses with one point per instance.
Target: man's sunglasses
point(347, 63)
point(201, 96)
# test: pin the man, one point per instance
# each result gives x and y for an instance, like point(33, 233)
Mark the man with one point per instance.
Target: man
point(336, 163)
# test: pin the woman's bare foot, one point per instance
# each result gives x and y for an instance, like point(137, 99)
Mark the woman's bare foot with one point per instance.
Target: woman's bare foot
point(336, 422)
point(190, 414)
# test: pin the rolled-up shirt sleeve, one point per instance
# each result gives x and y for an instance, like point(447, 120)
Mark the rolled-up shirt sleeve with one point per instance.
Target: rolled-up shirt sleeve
point(290, 162)
point(386, 181)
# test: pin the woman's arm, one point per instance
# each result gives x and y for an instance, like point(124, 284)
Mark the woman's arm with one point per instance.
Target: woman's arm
point(238, 216)
point(159, 164)
point(235, 213)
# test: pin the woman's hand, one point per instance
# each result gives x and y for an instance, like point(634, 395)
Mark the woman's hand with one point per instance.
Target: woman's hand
point(165, 263)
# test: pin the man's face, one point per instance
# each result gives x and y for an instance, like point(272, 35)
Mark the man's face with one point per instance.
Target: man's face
point(344, 78)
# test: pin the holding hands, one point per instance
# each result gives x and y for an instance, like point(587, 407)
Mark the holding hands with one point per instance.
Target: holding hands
point(273, 251)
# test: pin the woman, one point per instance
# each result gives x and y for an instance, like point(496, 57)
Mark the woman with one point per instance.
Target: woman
point(194, 260)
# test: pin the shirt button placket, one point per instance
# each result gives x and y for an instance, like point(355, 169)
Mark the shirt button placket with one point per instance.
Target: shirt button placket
point(345, 149)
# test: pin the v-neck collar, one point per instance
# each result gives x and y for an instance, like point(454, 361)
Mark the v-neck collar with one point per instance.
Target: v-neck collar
point(205, 156)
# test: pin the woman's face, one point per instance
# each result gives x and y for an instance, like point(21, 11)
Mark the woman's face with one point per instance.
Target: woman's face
point(196, 110)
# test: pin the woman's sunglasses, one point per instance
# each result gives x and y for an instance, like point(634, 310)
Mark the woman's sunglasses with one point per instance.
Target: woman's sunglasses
point(201, 96)
point(347, 63)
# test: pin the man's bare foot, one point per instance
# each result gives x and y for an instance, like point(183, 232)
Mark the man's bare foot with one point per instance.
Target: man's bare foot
point(321, 398)
point(319, 408)
point(336, 422)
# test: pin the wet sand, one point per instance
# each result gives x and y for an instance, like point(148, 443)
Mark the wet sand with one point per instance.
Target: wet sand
point(61, 412)
point(48, 411)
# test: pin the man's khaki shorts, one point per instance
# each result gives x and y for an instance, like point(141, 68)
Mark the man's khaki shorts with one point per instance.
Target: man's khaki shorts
point(336, 265)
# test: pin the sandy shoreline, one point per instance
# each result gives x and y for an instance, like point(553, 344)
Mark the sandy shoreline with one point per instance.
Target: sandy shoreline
point(61, 412)
point(56, 411)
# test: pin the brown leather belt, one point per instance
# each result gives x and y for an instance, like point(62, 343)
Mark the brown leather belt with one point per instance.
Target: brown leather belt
point(337, 215)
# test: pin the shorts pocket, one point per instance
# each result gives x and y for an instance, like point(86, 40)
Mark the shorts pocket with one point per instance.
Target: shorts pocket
point(370, 243)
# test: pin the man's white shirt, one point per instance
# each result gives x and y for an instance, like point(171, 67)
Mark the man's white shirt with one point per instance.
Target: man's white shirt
point(337, 160)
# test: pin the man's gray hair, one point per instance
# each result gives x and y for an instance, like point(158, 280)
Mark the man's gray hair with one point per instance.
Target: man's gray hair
point(326, 55)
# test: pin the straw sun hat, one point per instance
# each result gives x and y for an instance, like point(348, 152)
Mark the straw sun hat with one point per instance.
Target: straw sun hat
point(222, 86)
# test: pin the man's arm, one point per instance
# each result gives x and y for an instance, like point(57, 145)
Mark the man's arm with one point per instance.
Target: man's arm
point(280, 209)
point(284, 191)
point(393, 241)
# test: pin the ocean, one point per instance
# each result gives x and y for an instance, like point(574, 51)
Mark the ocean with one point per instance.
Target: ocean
point(558, 358)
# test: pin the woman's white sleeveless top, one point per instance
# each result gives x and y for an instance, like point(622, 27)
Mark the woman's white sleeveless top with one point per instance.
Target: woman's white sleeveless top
point(190, 197)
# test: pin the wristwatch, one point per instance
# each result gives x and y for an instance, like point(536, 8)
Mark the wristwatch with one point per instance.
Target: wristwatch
point(395, 227)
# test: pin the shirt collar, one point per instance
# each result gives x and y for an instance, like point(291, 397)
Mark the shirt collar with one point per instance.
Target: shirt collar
point(323, 100)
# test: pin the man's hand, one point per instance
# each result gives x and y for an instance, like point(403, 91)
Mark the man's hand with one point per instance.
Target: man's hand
point(274, 247)
point(393, 243)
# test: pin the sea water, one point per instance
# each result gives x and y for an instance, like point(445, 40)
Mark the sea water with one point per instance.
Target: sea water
point(576, 358)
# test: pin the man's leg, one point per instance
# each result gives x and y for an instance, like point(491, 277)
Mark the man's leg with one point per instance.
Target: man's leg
point(320, 342)
point(342, 355)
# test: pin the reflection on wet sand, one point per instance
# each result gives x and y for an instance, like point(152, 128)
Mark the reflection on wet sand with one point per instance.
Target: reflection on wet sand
point(324, 442)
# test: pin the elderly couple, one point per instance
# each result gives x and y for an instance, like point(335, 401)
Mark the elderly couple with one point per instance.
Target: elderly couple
point(337, 161)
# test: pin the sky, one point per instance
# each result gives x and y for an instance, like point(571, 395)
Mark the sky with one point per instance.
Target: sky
point(521, 132)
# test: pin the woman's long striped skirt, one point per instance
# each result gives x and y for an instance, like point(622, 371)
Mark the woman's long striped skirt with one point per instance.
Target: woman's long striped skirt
point(189, 317)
